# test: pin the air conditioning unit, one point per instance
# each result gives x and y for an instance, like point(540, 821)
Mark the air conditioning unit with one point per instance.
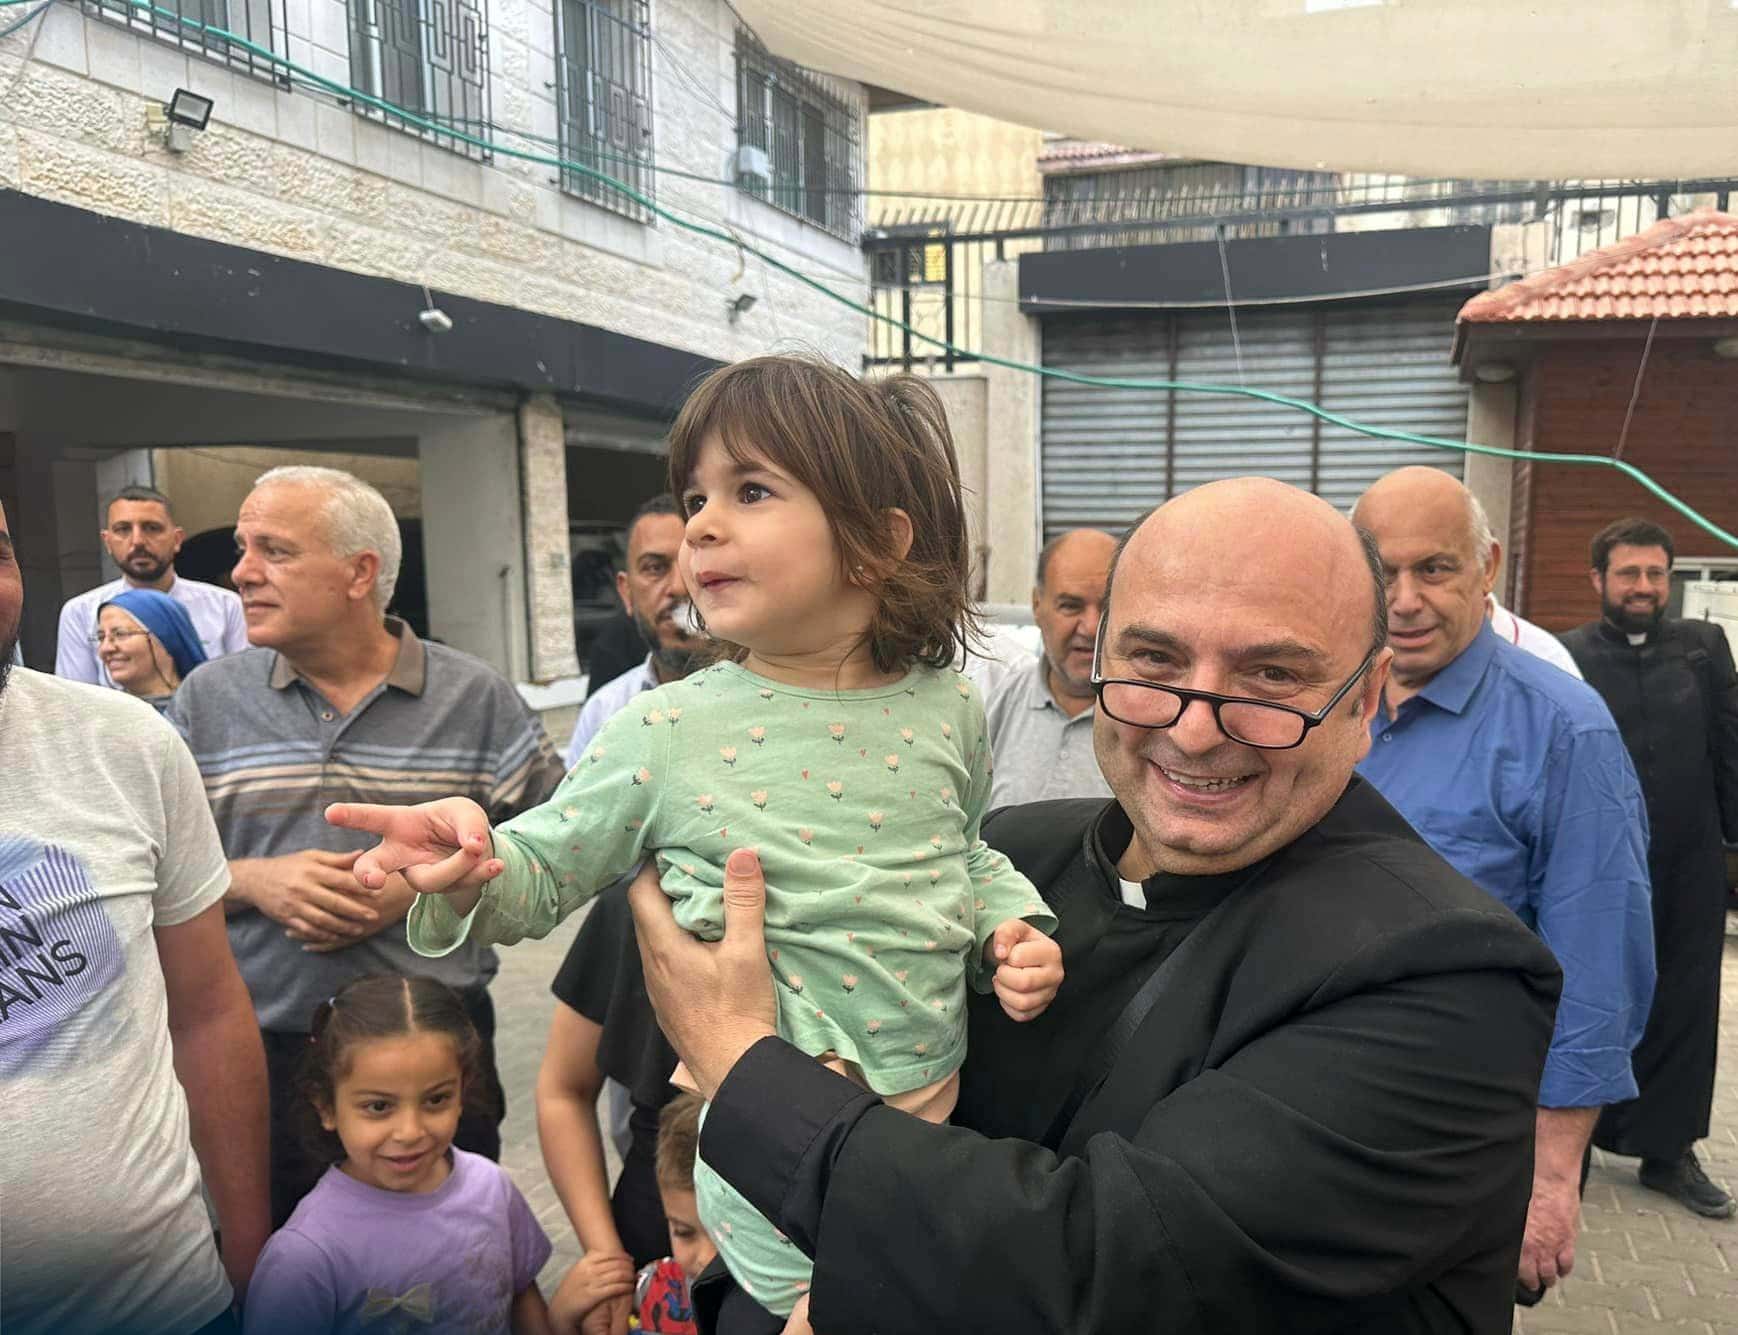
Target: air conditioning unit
point(1716, 601)
point(753, 166)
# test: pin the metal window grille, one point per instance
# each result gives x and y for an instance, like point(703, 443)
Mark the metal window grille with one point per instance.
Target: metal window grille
point(603, 78)
point(941, 296)
point(809, 136)
point(428, 57)
point(1183, 190)
point(185, 23)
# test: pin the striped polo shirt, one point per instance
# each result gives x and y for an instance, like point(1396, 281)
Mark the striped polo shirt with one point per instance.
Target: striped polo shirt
point(273, 753)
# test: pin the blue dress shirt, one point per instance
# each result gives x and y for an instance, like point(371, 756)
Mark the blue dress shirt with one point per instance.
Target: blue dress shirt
point(1515, 773)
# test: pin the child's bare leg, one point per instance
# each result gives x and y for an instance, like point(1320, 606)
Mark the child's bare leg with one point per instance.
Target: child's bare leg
point(797, 1323)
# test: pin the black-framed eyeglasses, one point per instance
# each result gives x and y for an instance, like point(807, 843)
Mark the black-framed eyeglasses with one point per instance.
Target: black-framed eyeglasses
point(1258, 723)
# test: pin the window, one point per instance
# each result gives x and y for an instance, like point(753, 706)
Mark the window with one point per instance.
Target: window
point(186, 23)
point(603, 79)
point(799, 139)
point(428, 57)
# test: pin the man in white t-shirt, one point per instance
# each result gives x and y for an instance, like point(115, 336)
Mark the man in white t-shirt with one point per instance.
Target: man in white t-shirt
point(131, 1069)
point(1522, 633)
point(142, 539)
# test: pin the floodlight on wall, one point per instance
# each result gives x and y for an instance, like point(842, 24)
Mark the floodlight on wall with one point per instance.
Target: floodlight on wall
point(743, 303)
point(1726, 347)
point(188, 114)
point(1493, 373)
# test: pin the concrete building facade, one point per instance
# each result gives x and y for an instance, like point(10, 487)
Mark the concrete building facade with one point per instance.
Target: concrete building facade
point(185, 307)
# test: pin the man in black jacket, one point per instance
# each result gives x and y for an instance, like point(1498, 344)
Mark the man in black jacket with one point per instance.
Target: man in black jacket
point(1672, 689)
point(1289, 1082)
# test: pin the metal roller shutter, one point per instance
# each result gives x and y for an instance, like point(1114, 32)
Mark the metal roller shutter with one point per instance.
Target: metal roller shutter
point(1388, 366)
point(1107, 455)
point(1102, 456)
point(1227, 435)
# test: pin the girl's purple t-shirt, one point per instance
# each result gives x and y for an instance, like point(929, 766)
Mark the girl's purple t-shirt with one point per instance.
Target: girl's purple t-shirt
point(355, 1258)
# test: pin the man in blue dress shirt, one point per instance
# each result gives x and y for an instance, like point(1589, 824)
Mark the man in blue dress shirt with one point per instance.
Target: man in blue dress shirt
point(1515, 772)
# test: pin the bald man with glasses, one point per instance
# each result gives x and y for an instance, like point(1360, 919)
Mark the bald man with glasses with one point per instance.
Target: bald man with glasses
point(1289, 1082)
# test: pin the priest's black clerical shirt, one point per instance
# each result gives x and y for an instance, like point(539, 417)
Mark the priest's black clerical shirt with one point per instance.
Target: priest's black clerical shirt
point(1324, 1124)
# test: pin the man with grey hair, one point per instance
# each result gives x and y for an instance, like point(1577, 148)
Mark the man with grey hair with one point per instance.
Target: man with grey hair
point(1039, 714)
point(1516, 774)
point(338, 701)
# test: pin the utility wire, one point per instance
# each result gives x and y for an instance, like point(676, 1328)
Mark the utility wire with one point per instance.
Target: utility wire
point(11, 28)
point(1315, 410)
point(1230, 305)
point(1635, 389)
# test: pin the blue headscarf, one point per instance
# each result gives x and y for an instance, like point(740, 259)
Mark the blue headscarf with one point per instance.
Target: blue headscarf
point(167, 620)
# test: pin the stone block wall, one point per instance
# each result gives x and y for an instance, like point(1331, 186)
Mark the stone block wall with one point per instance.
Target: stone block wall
point(294, 173)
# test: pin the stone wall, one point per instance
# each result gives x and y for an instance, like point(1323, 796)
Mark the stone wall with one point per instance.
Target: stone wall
point(296, 174)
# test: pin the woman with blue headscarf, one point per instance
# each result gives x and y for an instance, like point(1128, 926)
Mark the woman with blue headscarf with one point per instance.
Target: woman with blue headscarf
point(147, 644)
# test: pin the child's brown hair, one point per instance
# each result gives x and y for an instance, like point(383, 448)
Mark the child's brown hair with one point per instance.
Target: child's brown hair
point(678, 1142)
point(864, 447)
point(381, 1006)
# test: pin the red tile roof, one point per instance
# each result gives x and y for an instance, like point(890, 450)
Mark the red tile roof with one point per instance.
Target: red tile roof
point(1679, 269)
point(1063, 155)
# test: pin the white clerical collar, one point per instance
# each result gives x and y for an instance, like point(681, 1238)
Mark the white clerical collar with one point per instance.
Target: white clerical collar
point(1134, 894)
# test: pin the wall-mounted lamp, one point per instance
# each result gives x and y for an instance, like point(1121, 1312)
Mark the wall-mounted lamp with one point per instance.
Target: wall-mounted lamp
point(744, 303)
point(1726, 347)
point(431, 316)
point(188, 114)
point(1493, 373)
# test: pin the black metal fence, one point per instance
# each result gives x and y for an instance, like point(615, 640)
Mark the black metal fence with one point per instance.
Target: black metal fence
point(430, 57)
point(808, 134)
point(603, 81)
point(185, 22)
point(926, 260)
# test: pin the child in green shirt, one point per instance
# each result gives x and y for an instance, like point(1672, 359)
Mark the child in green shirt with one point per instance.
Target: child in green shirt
point(826, 549)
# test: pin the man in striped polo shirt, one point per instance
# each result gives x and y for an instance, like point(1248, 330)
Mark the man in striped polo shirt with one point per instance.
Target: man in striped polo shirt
point(337, 702)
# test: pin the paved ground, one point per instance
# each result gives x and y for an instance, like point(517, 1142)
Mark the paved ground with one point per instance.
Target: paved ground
point(1645, 1264)
point(522, 1007)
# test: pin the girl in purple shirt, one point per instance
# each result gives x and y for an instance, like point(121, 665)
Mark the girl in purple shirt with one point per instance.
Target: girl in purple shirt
point(403, 1232)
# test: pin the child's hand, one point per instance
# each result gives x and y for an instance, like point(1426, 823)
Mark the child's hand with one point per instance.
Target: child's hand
point(1028, 968)
point(441, 847)
point(596, 1295)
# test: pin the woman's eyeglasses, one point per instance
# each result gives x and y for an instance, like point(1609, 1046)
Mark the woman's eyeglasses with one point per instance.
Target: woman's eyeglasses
point(96, 637)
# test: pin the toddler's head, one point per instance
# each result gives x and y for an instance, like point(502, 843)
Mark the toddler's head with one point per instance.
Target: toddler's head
point(388, 1067)
point(821, 505)
point(678, 1142)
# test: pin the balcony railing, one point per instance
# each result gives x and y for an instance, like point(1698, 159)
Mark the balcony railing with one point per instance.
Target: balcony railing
point(926, 261)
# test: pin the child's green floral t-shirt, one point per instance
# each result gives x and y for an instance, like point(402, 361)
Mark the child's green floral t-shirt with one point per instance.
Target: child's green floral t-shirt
point(864, 807)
